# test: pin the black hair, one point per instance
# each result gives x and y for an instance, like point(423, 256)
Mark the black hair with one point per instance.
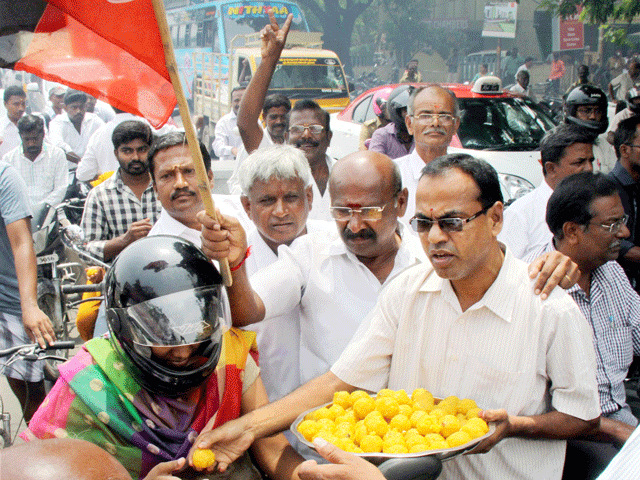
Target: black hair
point(75, 96)
point(625, 132)
point(528, 59)
point(572, 198)
point(13, 91)
point(238, 88)
point(131, 130)
point(173, 139)
point(483, 174)
point(556, 141)
point(30, 123)
point(275, 100)
point(308, 104)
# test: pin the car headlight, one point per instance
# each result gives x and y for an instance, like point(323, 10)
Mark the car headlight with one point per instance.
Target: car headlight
point(513, 187)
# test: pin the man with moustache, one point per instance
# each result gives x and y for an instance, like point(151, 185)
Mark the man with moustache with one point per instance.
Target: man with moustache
point(308, 123)
point(466, 323)
point(43, 167)
point(588, 222)
point(432, 118)
point(124, 207)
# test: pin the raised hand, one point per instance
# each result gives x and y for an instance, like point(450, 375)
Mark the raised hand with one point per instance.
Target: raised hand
point(273, 36)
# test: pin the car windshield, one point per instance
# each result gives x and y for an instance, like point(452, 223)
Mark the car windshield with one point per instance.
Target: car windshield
point(509, 124)
point(299, 75)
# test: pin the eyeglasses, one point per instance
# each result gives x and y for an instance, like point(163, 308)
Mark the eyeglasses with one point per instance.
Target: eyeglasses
point(632, 145)
point(299, 129)
point(447, 225)
point(615, 226)
point(443, 118)
point(366, 213)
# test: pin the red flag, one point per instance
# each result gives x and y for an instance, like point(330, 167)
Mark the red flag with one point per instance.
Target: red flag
point(111, 49)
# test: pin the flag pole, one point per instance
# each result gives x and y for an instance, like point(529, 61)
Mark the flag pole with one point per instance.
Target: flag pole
point(185, 115)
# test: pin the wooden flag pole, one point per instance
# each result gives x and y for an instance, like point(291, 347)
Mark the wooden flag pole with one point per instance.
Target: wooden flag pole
point(185, 115)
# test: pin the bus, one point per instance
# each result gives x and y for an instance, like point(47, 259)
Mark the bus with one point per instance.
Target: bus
point(226, 32)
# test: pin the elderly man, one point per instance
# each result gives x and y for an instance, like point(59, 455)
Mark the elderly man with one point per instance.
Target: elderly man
point(72, 130)
point(565, 150)
point(432, 118)
point(123, 208)
point(471, 313)
point(626, 174)
point(43, 167)
point(620, 85)
point(587, 219)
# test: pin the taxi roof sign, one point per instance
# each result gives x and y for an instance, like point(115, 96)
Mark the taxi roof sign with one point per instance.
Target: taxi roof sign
point(488, 85)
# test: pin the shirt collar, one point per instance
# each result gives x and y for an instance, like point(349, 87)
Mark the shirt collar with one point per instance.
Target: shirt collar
point(171, 226)
point(622, 175)
point(493, 299)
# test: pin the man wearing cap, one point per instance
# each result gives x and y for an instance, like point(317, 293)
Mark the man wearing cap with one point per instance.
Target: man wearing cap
point(56, 103)
point(72, 129)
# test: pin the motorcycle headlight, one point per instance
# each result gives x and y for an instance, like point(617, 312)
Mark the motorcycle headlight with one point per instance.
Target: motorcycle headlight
point(513, 187)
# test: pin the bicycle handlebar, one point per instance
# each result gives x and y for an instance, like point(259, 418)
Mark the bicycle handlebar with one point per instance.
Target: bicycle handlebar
point(82, 288)
point(35, 348)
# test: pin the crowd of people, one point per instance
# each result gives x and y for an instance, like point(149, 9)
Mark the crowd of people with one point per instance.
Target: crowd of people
point(397, 266)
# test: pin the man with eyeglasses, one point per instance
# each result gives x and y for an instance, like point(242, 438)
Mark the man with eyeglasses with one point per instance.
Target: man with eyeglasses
point(565, 150)
point(432, 118)
point(587, 219)
point(466, 323)
point(626, 174)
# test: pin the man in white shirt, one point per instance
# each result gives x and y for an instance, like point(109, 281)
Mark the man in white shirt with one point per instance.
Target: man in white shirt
point(15, 103)
point(72, 129)
point(101, 109)
point(619, 86)
point(522, 85)
point(565, 150)
point(227, 141)
point(43, 167)
point(467, 324)
point(432, 118)
point(56, 102)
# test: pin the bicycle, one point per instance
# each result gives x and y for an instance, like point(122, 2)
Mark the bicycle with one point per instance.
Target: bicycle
point(30, 352)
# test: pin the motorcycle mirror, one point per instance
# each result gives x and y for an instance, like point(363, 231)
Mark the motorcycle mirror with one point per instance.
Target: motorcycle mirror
point(73, 235)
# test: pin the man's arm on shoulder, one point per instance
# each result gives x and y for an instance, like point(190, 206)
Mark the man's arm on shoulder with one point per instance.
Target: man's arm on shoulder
point(273, 41)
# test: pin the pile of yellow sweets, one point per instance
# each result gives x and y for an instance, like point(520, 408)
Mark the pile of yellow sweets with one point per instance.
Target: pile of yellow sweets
point(393, 422)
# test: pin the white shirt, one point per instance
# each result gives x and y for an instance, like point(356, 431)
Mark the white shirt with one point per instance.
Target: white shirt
point(104, 111)
point(63, 133)
point(517, 88)
point(410, 166)
point(626, 464)
point(620, 116)
point(321, 207)
point(333, 288)
point(227, 137)
point(167, 225)
point(99, 156)
point(525, 227)
point(604, 153)
point(46, 177)
point(510, 350)
point(9, 136)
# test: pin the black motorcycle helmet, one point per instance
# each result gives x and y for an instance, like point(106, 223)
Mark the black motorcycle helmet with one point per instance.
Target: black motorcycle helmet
point(163, 291)
point(634, 94)
point(397, 100)
point(587, 95)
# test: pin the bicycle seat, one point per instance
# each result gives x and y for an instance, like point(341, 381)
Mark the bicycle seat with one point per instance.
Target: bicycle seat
point(418, 468)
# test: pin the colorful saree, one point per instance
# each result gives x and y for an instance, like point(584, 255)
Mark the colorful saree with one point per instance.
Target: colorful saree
point(96, 399)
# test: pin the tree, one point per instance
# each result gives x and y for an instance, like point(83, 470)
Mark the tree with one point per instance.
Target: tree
point(337, 19)
point(599, 12)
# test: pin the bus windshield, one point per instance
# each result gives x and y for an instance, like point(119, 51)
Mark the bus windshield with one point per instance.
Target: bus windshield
point(241, 18)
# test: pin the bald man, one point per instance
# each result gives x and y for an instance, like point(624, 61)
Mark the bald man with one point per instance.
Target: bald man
point(71, 459)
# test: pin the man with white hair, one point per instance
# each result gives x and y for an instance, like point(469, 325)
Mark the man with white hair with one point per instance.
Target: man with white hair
point(277, 195)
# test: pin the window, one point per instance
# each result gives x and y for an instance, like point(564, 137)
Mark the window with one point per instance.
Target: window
point(360, 112)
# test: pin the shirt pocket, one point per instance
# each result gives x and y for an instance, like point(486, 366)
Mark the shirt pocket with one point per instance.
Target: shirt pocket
point(494, 387)
point(616, 347)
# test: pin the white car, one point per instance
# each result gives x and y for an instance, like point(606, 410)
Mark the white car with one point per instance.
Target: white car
point(500, 127)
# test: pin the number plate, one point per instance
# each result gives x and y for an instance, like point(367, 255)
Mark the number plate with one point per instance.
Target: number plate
point(53, 258)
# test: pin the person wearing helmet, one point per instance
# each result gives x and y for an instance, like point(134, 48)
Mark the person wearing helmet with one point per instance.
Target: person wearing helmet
point(394, 140)
point(381, 119)
point(633, 108)
point(166, 372)
point(586, 106)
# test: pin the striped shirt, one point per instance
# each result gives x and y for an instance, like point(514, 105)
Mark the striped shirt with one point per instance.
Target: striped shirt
point(510, 350)
point(613, 310)
point(111, 208)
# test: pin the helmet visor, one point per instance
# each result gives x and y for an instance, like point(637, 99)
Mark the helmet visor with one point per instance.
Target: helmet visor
point(181, 318)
